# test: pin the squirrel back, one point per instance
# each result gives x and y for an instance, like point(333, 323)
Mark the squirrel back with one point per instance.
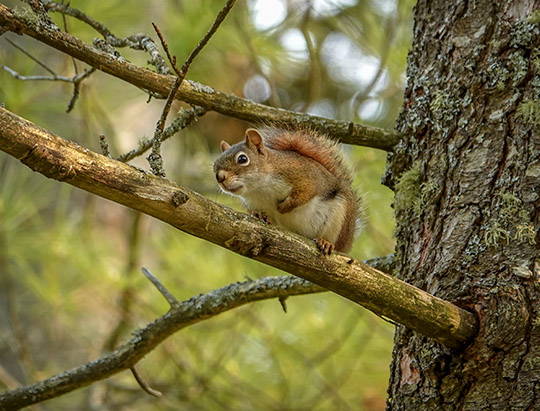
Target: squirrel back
point(311, 144)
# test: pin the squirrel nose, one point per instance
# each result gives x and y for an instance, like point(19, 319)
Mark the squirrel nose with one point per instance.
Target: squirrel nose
point(220, 176)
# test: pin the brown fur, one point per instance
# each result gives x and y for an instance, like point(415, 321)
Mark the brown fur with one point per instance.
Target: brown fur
point(310, 144)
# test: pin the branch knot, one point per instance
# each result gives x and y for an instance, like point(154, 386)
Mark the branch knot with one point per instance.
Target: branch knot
point(179, 198)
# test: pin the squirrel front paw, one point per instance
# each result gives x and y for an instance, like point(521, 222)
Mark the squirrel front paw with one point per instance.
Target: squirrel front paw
point(325, 246)
point(261, 216)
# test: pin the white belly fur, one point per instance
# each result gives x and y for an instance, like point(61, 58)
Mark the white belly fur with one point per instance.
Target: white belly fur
point(317, 218)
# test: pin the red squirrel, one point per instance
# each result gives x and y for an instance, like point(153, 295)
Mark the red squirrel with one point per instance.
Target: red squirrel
point(294, 179)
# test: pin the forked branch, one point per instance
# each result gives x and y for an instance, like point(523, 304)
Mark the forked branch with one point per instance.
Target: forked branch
point(143, 341)
point(191, 92)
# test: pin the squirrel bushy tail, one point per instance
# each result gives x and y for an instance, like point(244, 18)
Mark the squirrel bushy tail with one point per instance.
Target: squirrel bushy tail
point(308, 143)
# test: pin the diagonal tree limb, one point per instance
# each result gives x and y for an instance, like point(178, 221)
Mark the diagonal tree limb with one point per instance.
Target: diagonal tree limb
point(194, 214)
point(191, 92)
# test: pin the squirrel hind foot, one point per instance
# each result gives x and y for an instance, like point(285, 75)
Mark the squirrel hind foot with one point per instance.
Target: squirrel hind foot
point(260, 215)
point(324, 246)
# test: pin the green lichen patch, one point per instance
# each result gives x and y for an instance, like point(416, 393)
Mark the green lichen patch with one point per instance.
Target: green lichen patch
point(529, 112)
point(497, 75)
point(534, 17)
point(524, 32)
point(408, 189)
point(427, 189)
point(511, 223)
point(525, 233)
point(496, 235)
point(444, 108)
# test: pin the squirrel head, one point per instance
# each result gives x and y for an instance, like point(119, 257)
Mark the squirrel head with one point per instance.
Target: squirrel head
point(238, 168)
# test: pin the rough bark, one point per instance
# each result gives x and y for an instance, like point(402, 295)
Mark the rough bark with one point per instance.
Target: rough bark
point(467, 181)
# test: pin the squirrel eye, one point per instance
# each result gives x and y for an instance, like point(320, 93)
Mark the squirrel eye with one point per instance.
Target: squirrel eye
point(242, 159)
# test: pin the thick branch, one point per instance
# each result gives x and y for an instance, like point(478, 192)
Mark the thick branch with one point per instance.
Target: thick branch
point(194, 214)
point(194, 93)
point(186, 313)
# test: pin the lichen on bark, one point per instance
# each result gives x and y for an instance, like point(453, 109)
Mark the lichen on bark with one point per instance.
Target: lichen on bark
point(470, 162)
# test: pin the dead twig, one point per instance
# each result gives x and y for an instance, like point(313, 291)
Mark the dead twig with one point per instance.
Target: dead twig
point(171, 299)
point(189, 312)
point(144, 385)
point(185, 118)
point(155, 159)
point(75, 80)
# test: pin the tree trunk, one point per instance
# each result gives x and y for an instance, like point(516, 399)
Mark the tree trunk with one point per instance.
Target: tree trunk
point(467, 182)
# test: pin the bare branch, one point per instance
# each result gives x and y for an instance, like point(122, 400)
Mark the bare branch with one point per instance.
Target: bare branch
point(55, 77)
point(186, 313)
point(31, 57)
point(76, 80)
point(171, 299)
point(194, 93)
point(185, 118)
point(19, 76)
point(145, 387)
point(70, 11)
point(155, 159)
point(217, 22)
point(194, 214)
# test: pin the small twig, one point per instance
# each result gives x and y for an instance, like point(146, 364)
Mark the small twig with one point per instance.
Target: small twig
point(172, 59)
point(104, 145)
point(217, 22)
point(19, 76)
point(283, 302)
point(185, 119)
point(171, 299)
point(31, 57)
point(76, 80)
point(155, 159)
point(145, 387)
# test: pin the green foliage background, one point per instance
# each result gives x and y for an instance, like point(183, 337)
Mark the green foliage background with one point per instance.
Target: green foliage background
point(69, 261)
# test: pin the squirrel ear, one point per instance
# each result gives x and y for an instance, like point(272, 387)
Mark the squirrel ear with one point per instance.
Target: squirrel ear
point(254, 138)
point(224, 146)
